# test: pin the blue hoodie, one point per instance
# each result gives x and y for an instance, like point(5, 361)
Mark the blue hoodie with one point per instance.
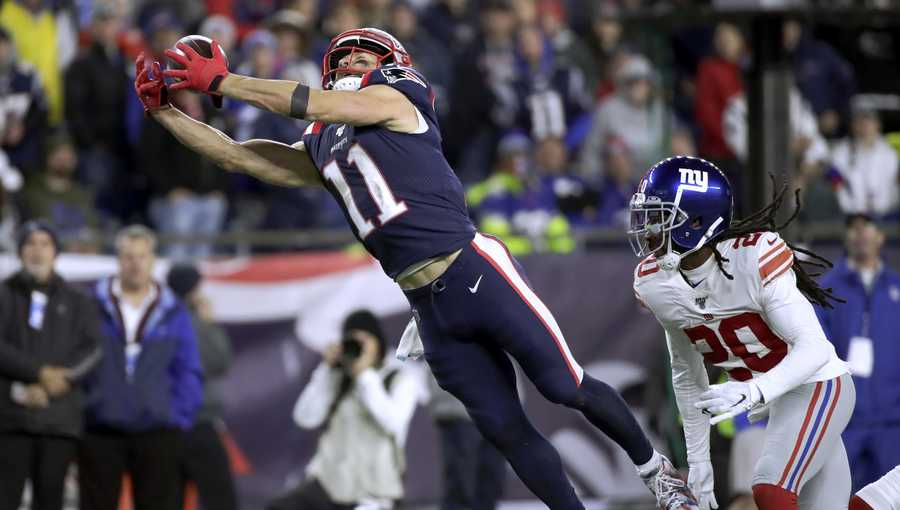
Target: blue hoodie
point(165, 390)
point(878, 396)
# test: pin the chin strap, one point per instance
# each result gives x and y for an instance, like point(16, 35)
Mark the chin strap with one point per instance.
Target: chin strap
point(671, 260)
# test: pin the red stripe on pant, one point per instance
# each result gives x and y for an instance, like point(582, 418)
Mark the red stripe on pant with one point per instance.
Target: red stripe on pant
point(506, 277)
point(809, 413)
point(834, 401)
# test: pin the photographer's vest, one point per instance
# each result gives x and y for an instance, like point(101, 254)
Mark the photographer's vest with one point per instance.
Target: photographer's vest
point(357, 460)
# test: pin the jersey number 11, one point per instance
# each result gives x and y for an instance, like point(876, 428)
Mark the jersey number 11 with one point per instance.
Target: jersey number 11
point(388, 206)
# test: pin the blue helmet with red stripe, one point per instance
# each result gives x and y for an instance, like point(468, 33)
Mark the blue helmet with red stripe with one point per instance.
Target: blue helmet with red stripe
point(682, 203)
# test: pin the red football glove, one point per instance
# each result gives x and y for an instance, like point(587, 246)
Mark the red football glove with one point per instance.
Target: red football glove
point(150, 87)
point(200, 73)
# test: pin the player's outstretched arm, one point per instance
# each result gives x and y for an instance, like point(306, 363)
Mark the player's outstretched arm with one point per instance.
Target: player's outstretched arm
point(267, 160)
point(374, 105)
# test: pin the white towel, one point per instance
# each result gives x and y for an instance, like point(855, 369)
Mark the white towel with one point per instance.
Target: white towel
point(410, 343)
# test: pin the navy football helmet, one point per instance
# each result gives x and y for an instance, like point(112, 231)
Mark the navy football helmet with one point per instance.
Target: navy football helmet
point(682, 203)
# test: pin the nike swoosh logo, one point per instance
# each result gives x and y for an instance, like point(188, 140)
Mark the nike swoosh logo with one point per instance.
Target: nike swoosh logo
point(743, 398)
point(773, 241)
point(474, 289)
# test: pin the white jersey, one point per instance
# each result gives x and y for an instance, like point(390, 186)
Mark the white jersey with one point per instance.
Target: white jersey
point(748, 325)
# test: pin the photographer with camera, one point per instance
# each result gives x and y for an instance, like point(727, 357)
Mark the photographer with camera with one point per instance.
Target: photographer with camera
point(364, 403)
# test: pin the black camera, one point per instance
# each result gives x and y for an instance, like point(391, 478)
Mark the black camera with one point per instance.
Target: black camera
point(351, 348)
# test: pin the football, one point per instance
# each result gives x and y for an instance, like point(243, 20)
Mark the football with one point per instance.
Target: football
point(203, 46)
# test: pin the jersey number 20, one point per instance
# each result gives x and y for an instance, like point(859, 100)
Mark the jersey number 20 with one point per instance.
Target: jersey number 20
point(728, 329)
point(388, 206)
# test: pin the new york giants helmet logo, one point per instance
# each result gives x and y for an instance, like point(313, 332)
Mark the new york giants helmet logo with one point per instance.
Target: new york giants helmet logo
point(694, 180)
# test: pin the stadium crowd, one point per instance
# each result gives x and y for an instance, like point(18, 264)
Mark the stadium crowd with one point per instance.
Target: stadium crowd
point(548, 115)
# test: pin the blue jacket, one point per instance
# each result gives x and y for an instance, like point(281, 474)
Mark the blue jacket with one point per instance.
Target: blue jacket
point(165, 389)
point(878, 396)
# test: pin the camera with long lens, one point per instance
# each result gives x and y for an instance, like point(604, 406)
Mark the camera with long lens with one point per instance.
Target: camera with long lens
point(351, 348)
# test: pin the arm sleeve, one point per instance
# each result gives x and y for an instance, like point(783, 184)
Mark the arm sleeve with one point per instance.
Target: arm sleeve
point(16, 365)
point(689, 380)
point(792, 318)
point(393, 409)
point(312, 407)
point(187, 389)
point(88, 350)
point(215, 350)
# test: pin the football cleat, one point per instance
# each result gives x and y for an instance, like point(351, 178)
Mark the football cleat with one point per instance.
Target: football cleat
point(670, 488)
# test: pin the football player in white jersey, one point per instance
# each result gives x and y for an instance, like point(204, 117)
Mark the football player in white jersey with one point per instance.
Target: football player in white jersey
point(732, 294)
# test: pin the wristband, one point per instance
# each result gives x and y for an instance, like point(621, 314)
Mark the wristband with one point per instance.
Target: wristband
point(299, 101)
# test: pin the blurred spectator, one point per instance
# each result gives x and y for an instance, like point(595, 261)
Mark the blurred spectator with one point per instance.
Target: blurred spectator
point(607, 46)
point(23, 107)
point(147, 388)
point(375, 13)
point(808, 148)
point(55, 196)
point(864, 167)
point(553, 95)
point(429, 55)
point(473, 471)
point(222, 29)
point(187, 191)
point(452, 22)
point(569, 49)
point(45, 322)
point(718, 83)
point(33, 27)
point(484, 98)
point(204, 459)
point(96, 89)
point(345, 15)
point(864, 332)
point(519, 205)
point(363, 400)
point(824, 77)
point(745, 453)
point(635, 115)
point(618, 185)
point(292, 33)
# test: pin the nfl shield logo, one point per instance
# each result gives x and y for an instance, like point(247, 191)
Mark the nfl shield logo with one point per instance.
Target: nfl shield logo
point(701, 302)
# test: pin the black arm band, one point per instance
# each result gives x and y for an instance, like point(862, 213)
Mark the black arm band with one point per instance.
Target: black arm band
point(299, 101)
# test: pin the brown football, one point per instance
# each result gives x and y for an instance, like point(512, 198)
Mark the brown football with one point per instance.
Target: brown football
point(203, 46)
point(200, 44)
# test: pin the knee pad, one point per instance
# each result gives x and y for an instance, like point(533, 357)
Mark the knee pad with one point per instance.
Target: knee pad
point(772, 497)
point(858, 503)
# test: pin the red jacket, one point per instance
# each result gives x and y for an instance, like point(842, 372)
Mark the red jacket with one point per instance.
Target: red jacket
point(718, 80)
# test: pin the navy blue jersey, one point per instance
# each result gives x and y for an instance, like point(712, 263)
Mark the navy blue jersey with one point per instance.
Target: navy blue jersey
point(402, 199)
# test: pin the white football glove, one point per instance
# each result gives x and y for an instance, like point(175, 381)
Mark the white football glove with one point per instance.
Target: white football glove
point(729, 399)
point(700, 481)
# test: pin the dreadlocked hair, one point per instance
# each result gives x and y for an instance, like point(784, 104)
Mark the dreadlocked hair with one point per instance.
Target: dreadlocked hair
point(764, 220)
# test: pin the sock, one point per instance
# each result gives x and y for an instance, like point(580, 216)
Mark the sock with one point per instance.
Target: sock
point(857, 503)
point(773, 497)
point(651, 466)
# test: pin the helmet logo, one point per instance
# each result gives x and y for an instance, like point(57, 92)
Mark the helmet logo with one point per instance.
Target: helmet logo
point(694, 180)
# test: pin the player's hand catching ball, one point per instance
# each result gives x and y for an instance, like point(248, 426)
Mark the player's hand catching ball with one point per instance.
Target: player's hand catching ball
point(150, 87)
point(202, 73)
point(700, 481)
point(729, 399)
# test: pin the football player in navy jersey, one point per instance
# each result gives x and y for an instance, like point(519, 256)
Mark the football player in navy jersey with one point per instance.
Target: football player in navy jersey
point(374, 143)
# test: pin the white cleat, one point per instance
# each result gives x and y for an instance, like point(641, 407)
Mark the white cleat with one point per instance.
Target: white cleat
point(670, 489)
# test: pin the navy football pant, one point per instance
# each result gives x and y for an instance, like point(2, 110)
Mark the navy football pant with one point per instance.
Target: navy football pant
point(479, 310)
